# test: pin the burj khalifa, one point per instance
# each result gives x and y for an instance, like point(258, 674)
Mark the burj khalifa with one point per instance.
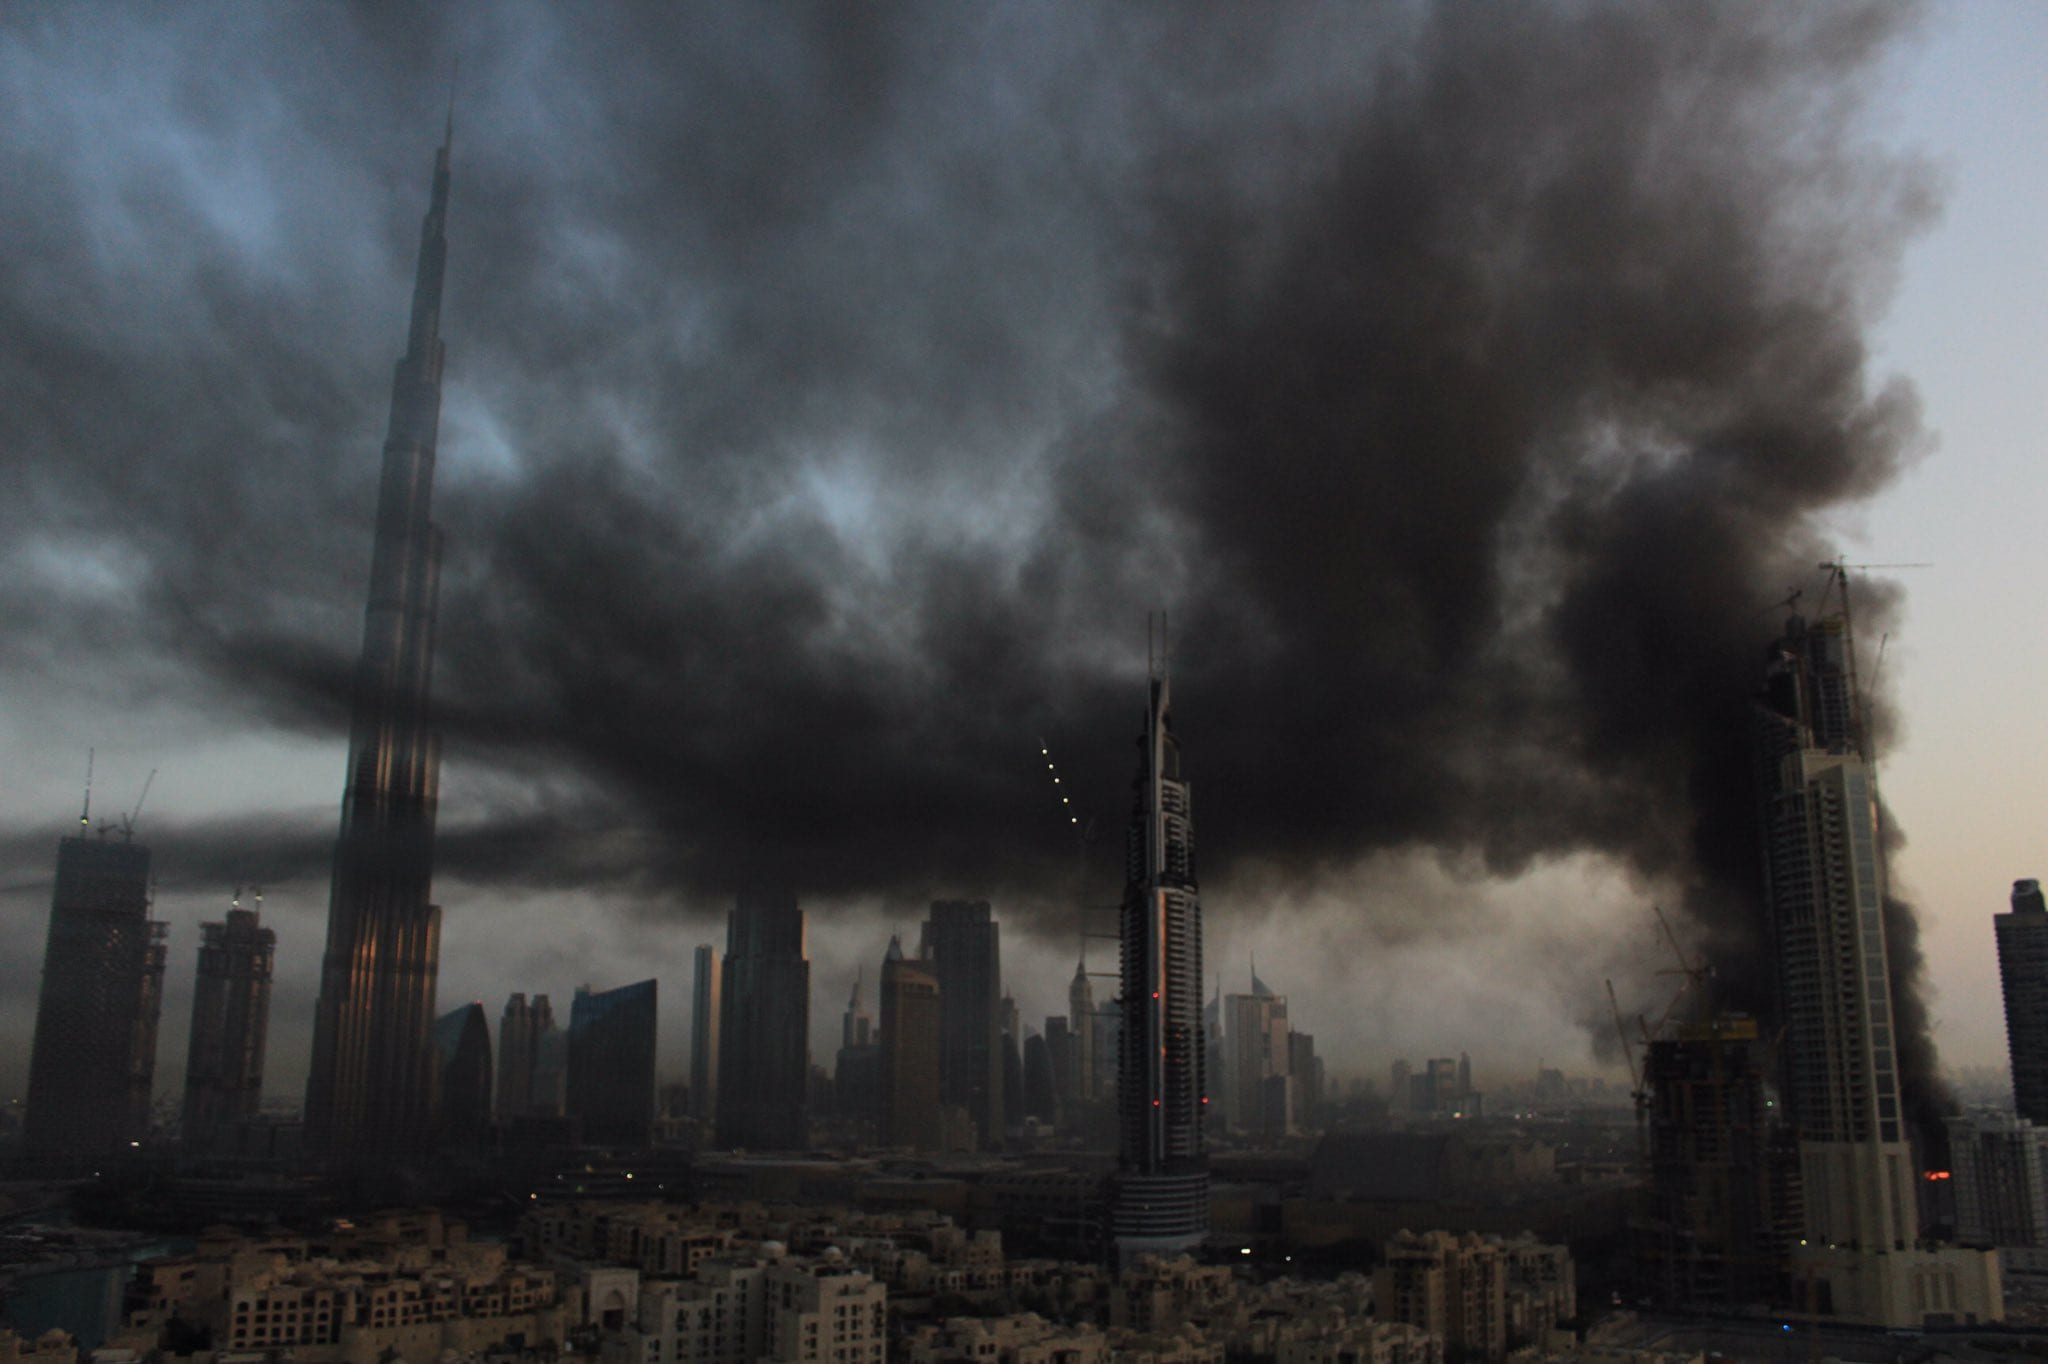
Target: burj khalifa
point(370, 1094)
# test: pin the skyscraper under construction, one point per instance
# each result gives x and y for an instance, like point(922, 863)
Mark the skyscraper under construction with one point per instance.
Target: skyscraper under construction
point(94, 1055)
point(230, 1024)
point(1161, 1197)
point(370, 1093)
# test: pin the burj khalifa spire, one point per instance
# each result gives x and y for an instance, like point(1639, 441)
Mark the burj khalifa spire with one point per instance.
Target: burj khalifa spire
point(370, 1094)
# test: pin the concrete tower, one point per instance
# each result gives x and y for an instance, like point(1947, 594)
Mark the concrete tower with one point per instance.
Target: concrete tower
point(370, 1091)
point(94, 1055)
point(2023, 974)
point(230, 1023)
point(1161, 1196)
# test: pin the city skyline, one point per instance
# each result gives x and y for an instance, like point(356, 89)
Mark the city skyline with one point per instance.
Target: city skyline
point(248, 765)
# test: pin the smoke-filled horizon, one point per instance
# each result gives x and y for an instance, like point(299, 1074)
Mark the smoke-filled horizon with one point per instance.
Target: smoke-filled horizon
point(831, 396)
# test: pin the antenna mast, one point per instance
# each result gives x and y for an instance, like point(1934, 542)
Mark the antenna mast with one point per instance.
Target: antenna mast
point(85, 815)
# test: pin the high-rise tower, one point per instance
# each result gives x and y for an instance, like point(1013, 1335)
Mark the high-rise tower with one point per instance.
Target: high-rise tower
point(910, 1114)
point(369, 1095)
point(520, 1030)
point(230, 1023)
point(1081, 1021)
point(764, 1028)
point(2023, 976)
point(94, 1056)
point(1859, 1255)
point(962, 947)
point(704, 1011)
point(1161, 1197)
point(611, 1064)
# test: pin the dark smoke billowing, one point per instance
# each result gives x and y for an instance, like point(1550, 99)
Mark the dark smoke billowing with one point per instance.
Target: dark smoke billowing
point(832, 394)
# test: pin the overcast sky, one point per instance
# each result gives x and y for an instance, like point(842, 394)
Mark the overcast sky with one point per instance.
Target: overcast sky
point(832, 393)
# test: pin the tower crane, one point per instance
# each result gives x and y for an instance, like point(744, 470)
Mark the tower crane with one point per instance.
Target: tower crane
point(128, 820)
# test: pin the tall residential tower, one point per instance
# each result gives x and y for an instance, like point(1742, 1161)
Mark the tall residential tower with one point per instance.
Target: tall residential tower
point(1859, 1256)
point(1161, 1196)
point(2023, 976)
point(370, 1092)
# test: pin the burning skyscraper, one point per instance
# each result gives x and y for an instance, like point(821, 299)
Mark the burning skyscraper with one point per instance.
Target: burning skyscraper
point(370, 1093)
point(1858, 1255)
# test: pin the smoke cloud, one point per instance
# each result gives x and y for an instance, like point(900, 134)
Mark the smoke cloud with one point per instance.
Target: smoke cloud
point(831, 395)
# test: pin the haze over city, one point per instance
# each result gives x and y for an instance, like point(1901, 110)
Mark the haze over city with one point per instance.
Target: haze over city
point(831, 396)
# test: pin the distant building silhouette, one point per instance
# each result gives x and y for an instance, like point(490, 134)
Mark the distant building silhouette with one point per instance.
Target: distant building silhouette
point(94, 1056)
point(911, 1013)
point(764, 1027)
point(611, 1064)
point(1160, 1199)
point(856, 1071)
point(520, 1030)
point(370, 1090)
point(2023, 974)
point(962, 947)
point(230, 1024)
point(704, 1015)
point(462, 1049)
point(1081, 1024)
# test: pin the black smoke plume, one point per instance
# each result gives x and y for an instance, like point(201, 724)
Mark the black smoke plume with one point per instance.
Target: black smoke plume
point(833, 392)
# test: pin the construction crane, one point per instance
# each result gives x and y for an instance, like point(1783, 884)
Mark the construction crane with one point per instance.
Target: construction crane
point(1636, 1092)
point(128, 820)
point(1697, 972)
point(1838, 583)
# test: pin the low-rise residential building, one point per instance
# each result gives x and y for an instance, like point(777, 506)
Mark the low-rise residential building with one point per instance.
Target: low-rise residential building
point(403, 1287)
point(1477, 1292)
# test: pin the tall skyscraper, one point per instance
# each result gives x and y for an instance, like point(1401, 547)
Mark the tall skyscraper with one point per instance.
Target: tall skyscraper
point(963, 948)
point(1824, 880)
point(911, 1012)
point(611, 1064)
point(1257, 1063)
point(462, 1085)
point(1081, 1022)
point(94, 1055)
point(1160, 1200)
point(1838, 1068)
point(704, 1013)
point(520, 1030)
point(2023, 974)
point(370, 1091)
point(230, 1023)
point(764, 1028)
